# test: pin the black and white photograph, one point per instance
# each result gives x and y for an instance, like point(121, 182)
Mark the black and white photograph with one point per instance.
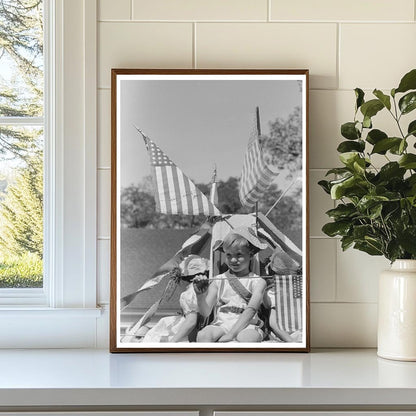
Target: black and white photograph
point(209, 211)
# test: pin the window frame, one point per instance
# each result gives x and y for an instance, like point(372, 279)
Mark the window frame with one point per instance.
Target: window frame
point(68, 297)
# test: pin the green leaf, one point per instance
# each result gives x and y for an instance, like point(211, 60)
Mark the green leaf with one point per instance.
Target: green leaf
point(407, 239)
point(375, 135)
point(338, 171)
point(402, 147)
point(398, 149)
point(361, 231)
point(371, 108)
point(336, 228)
point(341, 188)
point(408, 161)
point(383, 145)
point(359, 95)
point(367, 122)
point(325, 186)
point(359, 165)
point(393, 250)
point(349, 131)
point(369, 201)
point(385, 99)
point(349, 146)
point(348, 158)
point(391, 170)
point(408, 102)
point(368, 248)
point(342, 211)
point(346, 242)
point(411, 130)
point(408, 82)
point(375, 211)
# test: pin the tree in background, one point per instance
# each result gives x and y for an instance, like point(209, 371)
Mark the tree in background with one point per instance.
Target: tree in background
point(21, 95)
point(137, 208)
point(21, 86)
point(283, 146)
point(21, 212)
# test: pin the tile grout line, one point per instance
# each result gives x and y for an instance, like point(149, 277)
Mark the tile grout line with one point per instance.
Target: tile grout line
point(269, 10)
point(336, 271)
point(338, 63)
point(131, 9)
point(226, 21)
point(194, 63)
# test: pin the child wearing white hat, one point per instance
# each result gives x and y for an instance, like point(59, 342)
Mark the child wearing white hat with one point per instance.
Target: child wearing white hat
point(177, 328)
point(236, 294)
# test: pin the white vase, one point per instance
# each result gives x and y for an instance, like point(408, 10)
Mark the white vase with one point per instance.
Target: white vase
point(397, 312)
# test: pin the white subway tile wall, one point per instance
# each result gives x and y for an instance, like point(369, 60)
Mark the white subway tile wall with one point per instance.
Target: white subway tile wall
point(104, 128)
point(114, 10)
point(270, 45)
point(201, 10)
point(344, 44)
point(355, 10)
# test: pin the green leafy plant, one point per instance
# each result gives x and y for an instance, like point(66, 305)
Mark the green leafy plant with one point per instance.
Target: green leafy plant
point(376, 210)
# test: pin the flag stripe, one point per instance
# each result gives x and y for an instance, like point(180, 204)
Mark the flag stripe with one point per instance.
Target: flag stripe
point(291, 303)
point(185, 201)
point(194, 198)
point(288, 304)
point(172, 190)
point(175, 192)
point(256, 176)
point(157, 196)
point(167, 192)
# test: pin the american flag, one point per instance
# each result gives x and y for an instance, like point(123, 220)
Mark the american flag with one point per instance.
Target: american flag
point(256, 176)
point(287, 291)
point(175, 192)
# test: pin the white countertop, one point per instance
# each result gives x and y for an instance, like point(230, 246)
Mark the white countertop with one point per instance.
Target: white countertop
point(96, 377)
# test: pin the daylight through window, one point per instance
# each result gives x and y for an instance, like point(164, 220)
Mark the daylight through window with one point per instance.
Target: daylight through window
point(21, 143)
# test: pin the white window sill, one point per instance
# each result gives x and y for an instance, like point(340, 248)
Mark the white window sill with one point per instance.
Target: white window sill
point(37, 327)
point(35, 311)
point(331, 379)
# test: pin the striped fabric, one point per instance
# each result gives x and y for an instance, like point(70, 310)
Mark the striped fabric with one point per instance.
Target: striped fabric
point(288, 301)
point(256, 176)
point(175, 192)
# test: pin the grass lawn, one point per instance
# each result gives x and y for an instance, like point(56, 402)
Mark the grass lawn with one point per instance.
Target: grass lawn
point(24, 271)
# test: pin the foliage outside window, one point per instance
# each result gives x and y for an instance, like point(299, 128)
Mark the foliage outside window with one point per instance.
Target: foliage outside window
point(21, 143)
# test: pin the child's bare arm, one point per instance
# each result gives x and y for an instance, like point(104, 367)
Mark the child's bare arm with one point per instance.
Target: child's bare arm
point(206, 295)
point(186, 327)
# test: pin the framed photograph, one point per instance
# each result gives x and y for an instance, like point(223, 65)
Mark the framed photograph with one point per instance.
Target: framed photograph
point(209, 211)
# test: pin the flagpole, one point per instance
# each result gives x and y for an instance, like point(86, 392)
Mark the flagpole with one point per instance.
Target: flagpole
point(258, 135)
point(281, 196)
point(145, 138)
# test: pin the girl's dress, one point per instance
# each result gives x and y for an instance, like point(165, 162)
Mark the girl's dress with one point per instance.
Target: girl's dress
point(231, 305)
point(167, 327)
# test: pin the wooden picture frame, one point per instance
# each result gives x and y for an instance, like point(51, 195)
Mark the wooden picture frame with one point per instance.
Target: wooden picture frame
point(197, 155)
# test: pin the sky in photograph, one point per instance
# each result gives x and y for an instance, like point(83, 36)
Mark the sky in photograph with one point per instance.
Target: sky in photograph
point(198, 124)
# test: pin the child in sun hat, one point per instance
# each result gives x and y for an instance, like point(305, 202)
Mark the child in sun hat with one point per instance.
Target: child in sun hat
point(236, 294)
point(177, 328)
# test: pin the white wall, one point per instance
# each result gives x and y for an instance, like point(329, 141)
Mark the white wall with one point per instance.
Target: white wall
point(345, 44)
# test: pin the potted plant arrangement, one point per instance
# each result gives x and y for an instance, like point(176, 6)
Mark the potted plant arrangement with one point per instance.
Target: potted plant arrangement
point(376, 206)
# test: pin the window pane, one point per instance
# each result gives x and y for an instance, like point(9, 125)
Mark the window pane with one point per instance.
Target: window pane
point(21, 58)
point(21, 144)
point(21, 210)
